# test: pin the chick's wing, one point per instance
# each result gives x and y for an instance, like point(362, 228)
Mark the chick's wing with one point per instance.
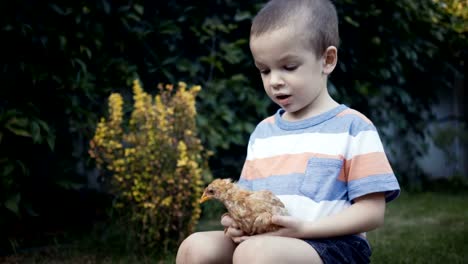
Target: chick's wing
point(262, 205)
point(265, 201)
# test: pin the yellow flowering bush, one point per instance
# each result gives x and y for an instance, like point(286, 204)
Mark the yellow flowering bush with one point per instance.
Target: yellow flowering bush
point(155, 161)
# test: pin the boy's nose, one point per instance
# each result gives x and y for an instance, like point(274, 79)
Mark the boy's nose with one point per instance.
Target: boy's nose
point(275, 80)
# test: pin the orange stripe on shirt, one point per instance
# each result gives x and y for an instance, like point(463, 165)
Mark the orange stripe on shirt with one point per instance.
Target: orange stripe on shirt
point(361, 166)
point(354, 112)
point(280, 165)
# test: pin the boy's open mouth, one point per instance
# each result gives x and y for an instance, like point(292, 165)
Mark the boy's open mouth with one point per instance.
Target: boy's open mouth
point(282, 96)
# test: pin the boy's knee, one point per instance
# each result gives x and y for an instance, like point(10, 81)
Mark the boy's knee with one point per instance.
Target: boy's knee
point(205, 247)
point(190, 250)
point(250, 251)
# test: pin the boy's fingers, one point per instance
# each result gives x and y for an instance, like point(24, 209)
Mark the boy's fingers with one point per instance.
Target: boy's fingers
point(234, 232)
point(239, 239)
point(226, 221)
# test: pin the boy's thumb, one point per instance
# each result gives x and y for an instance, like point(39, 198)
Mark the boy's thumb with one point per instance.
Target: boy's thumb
point(280, 220)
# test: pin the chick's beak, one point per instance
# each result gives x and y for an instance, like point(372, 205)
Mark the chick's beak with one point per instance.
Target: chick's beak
point(204, 198)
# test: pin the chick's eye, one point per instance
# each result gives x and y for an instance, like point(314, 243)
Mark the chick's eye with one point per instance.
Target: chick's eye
point(210, 191)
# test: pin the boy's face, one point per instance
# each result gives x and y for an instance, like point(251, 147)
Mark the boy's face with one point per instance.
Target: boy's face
point(291, 73)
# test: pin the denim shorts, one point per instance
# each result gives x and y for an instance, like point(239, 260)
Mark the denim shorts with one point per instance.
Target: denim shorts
point(345, 249)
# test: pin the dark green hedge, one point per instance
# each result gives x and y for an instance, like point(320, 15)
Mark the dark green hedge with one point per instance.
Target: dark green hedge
point(61, 59)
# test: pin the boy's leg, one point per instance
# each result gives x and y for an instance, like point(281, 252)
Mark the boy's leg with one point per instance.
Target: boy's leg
point(275, 249)
point(206, 247)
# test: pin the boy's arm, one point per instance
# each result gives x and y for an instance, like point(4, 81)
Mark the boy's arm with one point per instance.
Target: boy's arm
point(367, 213)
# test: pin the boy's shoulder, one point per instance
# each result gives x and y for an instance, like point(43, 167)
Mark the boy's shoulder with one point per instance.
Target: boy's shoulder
point(354, 121)
point(267, 124)
point(354, 115)
point(268, 120)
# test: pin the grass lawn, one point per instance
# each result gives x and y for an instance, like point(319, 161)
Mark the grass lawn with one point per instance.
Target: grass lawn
point(419, 228)
point(423, 228)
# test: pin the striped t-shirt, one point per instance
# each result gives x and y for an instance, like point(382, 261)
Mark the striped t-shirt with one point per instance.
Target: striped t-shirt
point(319, 165)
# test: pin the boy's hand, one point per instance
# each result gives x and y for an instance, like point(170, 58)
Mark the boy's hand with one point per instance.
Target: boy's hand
point(231, 229)
point(291, 227)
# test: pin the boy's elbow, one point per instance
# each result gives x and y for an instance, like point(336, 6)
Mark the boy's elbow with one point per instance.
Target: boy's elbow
point(378, 218)
point(373, 222)
point(379, 221)
point(379, 206)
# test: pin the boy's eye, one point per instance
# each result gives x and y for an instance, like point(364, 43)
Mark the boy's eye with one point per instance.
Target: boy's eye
point(264, 71)
point(290, 67)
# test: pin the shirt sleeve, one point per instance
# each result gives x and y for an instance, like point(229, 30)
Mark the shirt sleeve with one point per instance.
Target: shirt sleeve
point(367, 168)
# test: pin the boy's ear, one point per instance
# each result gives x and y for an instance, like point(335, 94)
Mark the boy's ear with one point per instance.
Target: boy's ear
point(330, 58)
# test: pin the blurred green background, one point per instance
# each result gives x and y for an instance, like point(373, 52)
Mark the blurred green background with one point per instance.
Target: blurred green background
point(401, 63)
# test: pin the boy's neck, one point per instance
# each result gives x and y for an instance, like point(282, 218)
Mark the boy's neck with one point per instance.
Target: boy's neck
point(319, 106)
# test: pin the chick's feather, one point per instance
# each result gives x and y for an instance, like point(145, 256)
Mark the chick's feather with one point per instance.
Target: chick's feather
point(251, 210)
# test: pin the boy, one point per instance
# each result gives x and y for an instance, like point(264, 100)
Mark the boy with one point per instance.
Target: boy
point(323, 160)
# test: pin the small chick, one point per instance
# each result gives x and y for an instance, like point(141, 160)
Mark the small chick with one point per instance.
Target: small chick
point(252, 211)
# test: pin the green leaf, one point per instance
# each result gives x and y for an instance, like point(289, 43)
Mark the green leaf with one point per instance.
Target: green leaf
point(30, 210)
point(58, 10)
point(240, 16)
point(43, 125)
point(81, 63)
point(134, 17)
point(8, 169)
point(106, 6)
point(351, 21)
point(139, 9)
point(12, 203)
point(23, 167)
point(69, 185)
point(18, 126)
point(169, 60)
point(51, 142)
point(36, 132)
